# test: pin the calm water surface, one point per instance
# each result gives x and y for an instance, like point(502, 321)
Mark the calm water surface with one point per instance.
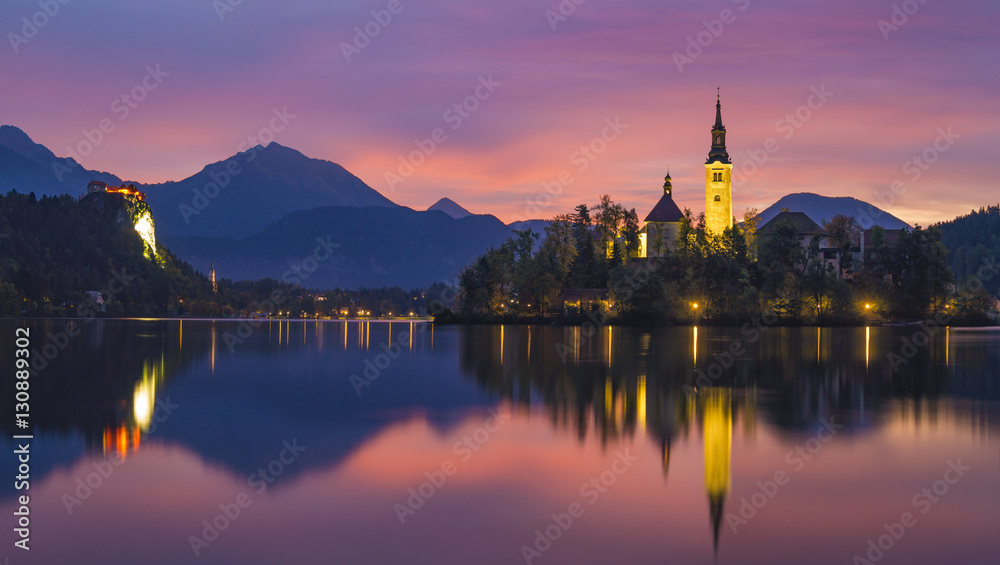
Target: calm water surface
point(334, 442)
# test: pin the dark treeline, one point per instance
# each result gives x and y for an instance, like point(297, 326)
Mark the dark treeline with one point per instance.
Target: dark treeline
point(974, 243)
point(58, 253)
point(728, 278)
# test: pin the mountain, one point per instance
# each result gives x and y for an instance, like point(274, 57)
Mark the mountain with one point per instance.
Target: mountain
point(820, 208)
point(27, 166)
point(448, 206)
point(370, 246)
point(245, 193)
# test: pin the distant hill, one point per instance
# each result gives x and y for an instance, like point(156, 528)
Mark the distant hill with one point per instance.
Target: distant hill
point(820, 208)
point(26, 166)
point(257, 187)
point(973, 241)
point(374, 247)
point(448, 206)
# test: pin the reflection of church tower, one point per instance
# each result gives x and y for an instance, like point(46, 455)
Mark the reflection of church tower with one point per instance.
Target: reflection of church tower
point(718, 179)
point(718, 439)
point(211, 275)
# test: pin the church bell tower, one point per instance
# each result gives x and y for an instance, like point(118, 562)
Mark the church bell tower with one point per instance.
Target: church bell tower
point(718, 179)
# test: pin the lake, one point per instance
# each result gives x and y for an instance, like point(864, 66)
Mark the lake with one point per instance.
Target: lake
point(167, 441)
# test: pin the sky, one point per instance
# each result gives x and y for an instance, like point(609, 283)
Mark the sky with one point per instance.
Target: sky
point(559, 101)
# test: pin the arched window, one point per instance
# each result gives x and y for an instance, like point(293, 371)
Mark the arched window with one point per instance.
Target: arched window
point(718, 198)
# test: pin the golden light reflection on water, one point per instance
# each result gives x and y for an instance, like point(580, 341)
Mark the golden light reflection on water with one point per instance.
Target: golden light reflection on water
point(868, 337)
point(641, 403)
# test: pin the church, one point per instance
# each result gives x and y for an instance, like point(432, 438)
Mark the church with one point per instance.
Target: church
point(663, 221)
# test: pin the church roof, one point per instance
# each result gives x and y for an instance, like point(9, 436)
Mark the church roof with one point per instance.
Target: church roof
point(665, 211)
point(803, 223)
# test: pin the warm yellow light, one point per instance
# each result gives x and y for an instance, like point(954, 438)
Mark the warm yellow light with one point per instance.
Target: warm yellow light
point(143, 399)
point(145, 228)
point(694, 305)
point(868, 306)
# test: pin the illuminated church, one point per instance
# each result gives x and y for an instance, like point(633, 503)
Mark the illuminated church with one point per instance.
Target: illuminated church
point(663, 221)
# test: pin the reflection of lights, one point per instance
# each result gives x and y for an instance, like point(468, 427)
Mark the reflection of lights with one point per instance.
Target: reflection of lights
point(609, 346)
point(868, 335)
point(718, 438)
point(145, 228)
point(640, 401)
point(143, 399)
point(608, 397)
point(501, 344)
point(696, 345)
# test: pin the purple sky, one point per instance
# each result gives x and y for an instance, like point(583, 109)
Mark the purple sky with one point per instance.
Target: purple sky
point(893, 90)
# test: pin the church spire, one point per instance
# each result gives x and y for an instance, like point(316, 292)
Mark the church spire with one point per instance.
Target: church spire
point(211, 274)
point(718, 110)
point(668, 187)
point(718, 151)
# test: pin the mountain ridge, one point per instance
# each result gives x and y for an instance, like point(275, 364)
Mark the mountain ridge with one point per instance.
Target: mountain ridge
point(820, 208)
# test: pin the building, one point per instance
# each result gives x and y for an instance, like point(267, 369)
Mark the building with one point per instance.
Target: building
point(580, 300)
point(211, 274)
point(662, 224)
point(718, 179)
point(96, 186)
point(806, 227)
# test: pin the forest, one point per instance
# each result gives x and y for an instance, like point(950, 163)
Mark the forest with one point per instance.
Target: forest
point(729, 278)
point(60, 256)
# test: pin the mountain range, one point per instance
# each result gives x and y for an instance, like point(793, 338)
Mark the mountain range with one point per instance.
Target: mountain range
point(822, 208)
point(267, 211)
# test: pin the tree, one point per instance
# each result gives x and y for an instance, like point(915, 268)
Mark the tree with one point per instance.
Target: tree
point(583, 273)
point(844, 233)
point(920, 273)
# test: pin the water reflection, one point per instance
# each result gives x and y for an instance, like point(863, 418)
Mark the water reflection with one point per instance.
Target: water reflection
point(710, 411)
point(665, 384)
